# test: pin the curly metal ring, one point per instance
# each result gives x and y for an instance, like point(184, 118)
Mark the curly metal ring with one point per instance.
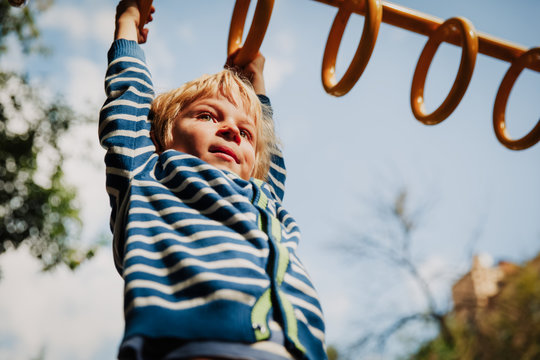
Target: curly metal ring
point(360, 60)
point(255, 36)
point(499, 125)
point(469, 41)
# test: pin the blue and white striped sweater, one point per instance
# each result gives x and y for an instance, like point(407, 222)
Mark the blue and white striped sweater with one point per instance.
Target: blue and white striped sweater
point(204, 253)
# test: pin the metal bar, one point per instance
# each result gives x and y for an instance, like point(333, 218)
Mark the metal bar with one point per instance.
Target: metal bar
point(424, 24)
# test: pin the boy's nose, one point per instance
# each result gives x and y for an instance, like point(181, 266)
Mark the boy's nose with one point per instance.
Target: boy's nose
point(230, 132)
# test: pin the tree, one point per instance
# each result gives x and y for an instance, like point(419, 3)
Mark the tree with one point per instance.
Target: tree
point(391, 239)
point(507, 328)
point(37, 208)
point(332, 353)
point(20, 23)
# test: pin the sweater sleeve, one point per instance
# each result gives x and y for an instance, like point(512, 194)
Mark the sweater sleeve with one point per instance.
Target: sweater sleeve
point(277, 172)
point(124, 129)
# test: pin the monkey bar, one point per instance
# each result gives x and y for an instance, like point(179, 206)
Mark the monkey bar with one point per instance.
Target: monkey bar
point(457, 31)
point(425, 24)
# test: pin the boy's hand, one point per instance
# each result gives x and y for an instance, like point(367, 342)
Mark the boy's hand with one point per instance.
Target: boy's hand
point(128, 21)
point(252, 71)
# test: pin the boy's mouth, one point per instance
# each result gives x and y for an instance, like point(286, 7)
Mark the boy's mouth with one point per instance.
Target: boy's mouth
point(224, 150)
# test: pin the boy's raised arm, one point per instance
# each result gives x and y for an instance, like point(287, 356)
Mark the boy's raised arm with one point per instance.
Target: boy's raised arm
point(127, 21)
point(253, 71)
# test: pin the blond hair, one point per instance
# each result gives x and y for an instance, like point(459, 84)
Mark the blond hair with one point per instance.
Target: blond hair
point(166, 107)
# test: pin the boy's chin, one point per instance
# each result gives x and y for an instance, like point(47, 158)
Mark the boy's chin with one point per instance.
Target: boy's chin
point(226, 167)
point(232, 170)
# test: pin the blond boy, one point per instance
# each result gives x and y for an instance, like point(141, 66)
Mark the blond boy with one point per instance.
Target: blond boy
point(201, 239)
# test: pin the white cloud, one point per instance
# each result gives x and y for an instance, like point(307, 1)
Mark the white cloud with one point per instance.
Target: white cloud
point(80, 23)
point(282, 62)
point(161, 61)
point(84, 90)
point(69, 315)
point(84, 169)
point(276, 71)
point(185, 33)
point(285, 42)
point(103, 25)
point(70, 20)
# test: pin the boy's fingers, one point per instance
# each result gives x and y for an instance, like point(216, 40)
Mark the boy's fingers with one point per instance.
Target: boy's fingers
point(150, 16)
point(145, 11)
point(231, 57)
point(143, 36)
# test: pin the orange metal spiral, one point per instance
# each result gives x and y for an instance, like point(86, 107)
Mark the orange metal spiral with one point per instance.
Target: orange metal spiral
point(457, 31)
point(254, 39)
point(464, 75)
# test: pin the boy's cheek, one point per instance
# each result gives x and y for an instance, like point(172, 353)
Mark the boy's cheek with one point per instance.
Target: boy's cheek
point(253, 164)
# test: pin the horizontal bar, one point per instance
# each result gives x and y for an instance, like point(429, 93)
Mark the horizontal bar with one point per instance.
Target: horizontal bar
point(424, 24)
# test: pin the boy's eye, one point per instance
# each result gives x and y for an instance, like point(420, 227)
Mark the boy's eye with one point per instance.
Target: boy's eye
point(245, 134)
point(206, 116)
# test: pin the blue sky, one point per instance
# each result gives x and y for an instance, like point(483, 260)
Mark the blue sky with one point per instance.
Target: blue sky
point(340, 152)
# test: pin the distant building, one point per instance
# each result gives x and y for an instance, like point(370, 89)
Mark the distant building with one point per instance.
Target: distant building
point(481, 283)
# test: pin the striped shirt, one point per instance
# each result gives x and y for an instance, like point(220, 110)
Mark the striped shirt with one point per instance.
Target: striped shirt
point(205, 255)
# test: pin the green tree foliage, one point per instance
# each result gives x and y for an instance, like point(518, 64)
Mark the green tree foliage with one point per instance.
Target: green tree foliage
point(508, 328)
point(20, 23)
point(37, 209)
point(332, 353)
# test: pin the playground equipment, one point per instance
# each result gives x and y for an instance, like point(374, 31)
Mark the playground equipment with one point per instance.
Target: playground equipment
point(254, 39)
point(457, 31)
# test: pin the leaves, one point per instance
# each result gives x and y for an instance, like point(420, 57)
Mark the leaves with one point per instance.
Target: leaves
point(21, 22)
point(37, 208)
point(508, 328)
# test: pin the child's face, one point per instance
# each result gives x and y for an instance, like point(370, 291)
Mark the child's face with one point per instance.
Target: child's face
point(218, 132)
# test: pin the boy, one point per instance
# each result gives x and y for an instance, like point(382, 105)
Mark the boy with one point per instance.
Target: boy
point(206, 250)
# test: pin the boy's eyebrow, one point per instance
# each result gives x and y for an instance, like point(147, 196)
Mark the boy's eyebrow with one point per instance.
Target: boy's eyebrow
point(202, 104)
point(201, 107)
point(208, 104)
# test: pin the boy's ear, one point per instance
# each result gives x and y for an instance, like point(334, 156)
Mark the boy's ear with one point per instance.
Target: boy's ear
point(157, 144)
